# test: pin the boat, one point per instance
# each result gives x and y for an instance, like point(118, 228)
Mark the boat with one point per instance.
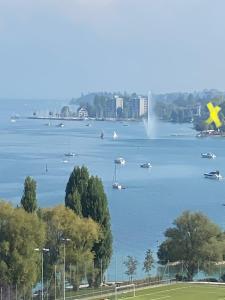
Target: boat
point(208, 155)
point(116, 185)
point(115, 136)
point(65, 161)
point(70, 154)
point(213, 175)
point(61, 125)
point(146, 165)
point(102, 135)
point(13, 120)
point(120, 161)
point(88, 125)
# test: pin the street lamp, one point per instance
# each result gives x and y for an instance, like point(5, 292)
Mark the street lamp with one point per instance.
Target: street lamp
point(64, 240)
point(43, 250)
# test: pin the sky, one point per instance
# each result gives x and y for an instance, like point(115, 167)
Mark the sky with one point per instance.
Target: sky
point(62, 48)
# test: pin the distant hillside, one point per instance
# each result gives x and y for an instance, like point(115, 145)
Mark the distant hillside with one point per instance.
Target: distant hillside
point(179, 97)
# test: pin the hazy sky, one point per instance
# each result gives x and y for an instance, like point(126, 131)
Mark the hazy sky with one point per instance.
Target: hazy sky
point(60, 48)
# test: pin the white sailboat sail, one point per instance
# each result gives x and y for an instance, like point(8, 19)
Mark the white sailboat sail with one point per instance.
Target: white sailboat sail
point(115, 135)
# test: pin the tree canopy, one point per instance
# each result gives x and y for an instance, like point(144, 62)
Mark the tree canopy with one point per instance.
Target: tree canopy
point(20, 234)
point(62, 223)
point(29, 200)
point(91, 202)
point(195, 241)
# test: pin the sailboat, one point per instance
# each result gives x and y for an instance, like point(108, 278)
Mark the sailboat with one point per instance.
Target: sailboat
point(115, 136)
point(116, 185)
point(102, 135)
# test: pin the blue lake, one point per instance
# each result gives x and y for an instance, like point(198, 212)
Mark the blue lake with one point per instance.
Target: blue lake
point(153, 199)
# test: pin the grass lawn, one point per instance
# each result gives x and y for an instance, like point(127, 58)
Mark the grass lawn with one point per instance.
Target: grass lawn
point(179, 292)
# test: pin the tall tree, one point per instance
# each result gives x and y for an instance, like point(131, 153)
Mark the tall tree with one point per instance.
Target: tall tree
point(62, 223)
point(148, 262)
point(195, 241)
point(29, 200)
point(95, 205)
point(20, 234)
point(131, 265)
point(76, 189)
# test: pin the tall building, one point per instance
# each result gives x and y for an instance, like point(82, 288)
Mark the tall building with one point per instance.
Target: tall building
point(143, 108)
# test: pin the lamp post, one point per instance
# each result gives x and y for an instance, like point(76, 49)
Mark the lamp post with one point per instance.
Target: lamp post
point(64, 240)
point(43, 250)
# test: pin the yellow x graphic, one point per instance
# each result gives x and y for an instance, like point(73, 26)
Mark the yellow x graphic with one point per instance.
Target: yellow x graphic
point(213, 117)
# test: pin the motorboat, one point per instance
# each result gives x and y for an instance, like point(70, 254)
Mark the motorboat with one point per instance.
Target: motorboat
point(65, 161)
point(146, 165)
point(61, 125)
point(120, 161)
point(70, 154)
point(208, 155)
point(115, 135)
point(213, 175)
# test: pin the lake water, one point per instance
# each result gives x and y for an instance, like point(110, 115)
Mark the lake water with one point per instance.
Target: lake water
point(153, 198)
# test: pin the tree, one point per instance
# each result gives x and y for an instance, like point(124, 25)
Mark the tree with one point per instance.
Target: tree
point(131, 265)
point(76, 189)
point(95, 206)
point(195, 241)
point(148, 262)
point(61, 222)
point(29, 200)
point(20, 234)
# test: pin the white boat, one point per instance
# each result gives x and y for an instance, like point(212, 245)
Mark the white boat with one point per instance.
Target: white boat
point(70, 154)
point(213, 175)
point(115, 136)
point(208, 155)
point(116, 185)
point(120, 161)
point(61, 125)
point(65, 161)
point(146, 165)
point(13, 120)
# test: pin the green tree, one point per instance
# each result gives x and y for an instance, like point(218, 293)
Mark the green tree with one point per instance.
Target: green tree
point(195, 241)
point(29, 200)
point(62, 223)
point(20, 234)
point(131, 265)
point(95, 206)
point(76, 189)
point(148, 262)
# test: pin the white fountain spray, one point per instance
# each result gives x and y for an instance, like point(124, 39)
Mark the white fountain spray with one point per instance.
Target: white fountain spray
point(150, 122)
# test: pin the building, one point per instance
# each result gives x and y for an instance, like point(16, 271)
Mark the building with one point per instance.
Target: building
point(143, 106)
point(82, 113)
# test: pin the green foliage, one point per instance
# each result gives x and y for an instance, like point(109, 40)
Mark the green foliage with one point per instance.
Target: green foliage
point(61, 222)
point(148, 262)
point(195, 240)
point(95, 206)
point(29, 201)
point(20, 234)
point(131, 265)
point(76, 189)
point(86, 197)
